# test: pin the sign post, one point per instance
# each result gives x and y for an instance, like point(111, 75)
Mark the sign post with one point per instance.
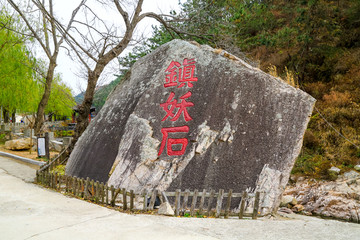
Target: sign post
point(43, 146)
point(47, 147)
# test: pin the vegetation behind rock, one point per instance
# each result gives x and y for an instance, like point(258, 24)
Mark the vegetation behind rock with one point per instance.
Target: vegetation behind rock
point(313, 43)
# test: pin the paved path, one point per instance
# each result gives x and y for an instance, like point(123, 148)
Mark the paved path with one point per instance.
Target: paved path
point(28, 211)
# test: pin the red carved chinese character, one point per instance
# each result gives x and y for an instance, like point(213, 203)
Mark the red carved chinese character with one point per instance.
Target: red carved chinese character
point(170, 105)
point(166, 105)
point(184, 75)
point(173, 141)
point(174, 74)
point(188, 73)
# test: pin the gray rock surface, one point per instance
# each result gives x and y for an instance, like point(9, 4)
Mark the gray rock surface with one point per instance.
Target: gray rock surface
point(223, 124)
point(56, 145)
point(29, 132)
point(335, 170)
point(166, 209)
point(351, 175)
point(338, 199)
point(288, 199)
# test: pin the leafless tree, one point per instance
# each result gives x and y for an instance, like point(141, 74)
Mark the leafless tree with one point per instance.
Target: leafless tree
point(96, 42)
point(47, 37)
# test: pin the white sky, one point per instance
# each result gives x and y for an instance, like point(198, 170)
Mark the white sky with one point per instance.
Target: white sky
point(69, 69)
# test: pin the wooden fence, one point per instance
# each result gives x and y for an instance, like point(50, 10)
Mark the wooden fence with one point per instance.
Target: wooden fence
point(185, 203)
point(60, 159)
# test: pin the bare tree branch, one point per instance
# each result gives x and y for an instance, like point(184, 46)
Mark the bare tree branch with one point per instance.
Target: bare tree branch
point(35, 35)
point(124, 14)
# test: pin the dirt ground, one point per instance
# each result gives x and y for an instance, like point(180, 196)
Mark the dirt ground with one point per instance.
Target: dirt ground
point(26, 153)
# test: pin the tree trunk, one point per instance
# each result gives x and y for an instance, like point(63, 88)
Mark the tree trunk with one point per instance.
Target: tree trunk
point(39, 121)
point(6, 116)
point(82, 120)
point(13, 117)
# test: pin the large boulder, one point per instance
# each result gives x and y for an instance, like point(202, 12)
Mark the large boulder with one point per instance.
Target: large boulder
point(189, 116)
point(18, 144)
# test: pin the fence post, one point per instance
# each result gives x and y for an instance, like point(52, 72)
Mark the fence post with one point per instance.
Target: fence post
point(66, 184)
point(86, 188)
point(60, 182)
point(107, 194)
point(52, 180)
point(56, 181)
point(153, 199)
point(117, 191)
point(256, 205)
point(82, 188)
point(47, 150)
point(77, 187)
point(70, 179)
point(47, 179)
point(228, 204)
point(131, 200)
point(97, 192)
point(219, 203)
point(112, 190)
point(242, 205)
point(124, 199)
point(69, 184)
point(145, 199)
point(73, 185)
point(92, 189)
point(186, 197)
point(211, 197)
point(202, 200)
point(41, 178)
point(193, 203)
point(177, 202)
point(102, 192)
point(37, 176)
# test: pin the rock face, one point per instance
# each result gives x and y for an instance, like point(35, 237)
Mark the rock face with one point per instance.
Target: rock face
point(338, 199)
point(18, 144)
point(190, 116)
point(165, 209)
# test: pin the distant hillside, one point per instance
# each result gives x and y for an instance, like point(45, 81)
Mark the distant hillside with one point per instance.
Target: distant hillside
point(101, 93)
point(79, 98)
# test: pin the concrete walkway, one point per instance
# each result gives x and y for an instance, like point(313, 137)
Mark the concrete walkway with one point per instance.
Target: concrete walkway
point(28, 211)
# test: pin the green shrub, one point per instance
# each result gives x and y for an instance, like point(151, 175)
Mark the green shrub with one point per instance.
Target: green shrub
point(2, 138)
point(60, 169)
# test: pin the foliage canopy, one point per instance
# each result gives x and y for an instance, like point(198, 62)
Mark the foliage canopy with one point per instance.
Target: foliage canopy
point(21, 75)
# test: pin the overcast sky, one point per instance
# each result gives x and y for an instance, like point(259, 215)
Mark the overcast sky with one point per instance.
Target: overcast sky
point(70, 69)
